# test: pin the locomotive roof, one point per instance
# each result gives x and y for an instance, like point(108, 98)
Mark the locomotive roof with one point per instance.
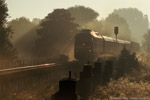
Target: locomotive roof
point(106, 38)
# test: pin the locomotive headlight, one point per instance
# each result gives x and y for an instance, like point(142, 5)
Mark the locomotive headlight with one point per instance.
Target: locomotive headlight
point(83, 44)
point(90, 50)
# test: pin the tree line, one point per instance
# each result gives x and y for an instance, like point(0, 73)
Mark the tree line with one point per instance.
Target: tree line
point(53, 36)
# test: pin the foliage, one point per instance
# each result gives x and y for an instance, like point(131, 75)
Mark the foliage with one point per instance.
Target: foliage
point(56, 33)
point(24, 36)
point(83, 15)
point(126, 62)
point(115, 20)
point(123, 88)
point(132, 85)
point(36, 21)
point(61, 59)
point(20, 27)
point(137, 21)
point(146, 42)
point(3, 13)
point(95, 25)
point(7, 50)
point(42, 92)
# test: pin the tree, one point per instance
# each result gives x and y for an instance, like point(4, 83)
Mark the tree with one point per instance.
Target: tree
point(115, 20)
point(56, 34)
point(7, 50)
point(126, 62)
point(20, 26)
point(82, 15)
point(146, 42)
point(95, 25)
point(24, 36)
point(36, 21)
point(137, 21)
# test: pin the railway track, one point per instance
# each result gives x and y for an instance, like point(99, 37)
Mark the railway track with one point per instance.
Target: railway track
point(26, 68)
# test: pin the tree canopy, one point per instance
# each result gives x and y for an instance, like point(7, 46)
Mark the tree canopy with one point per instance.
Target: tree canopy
point(36, 21)
point(56, 33)
point(82, 15)
point(24, 35)
point(96, 25)
point(7, 50)
point(3, 13)
point(20, 26)
point(115, 20)
point(137, 21)
point(146, 42)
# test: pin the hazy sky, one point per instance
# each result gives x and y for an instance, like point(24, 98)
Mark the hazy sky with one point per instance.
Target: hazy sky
point(40, 8)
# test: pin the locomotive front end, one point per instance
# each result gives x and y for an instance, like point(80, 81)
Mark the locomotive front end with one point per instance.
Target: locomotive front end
point(83, 46)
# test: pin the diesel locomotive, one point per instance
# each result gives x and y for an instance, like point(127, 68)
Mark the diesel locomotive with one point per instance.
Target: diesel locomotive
point(90, 46)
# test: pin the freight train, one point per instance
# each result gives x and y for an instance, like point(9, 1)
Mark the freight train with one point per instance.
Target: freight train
point(90, 46)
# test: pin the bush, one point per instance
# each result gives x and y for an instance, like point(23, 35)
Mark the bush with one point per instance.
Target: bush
point(134, 84)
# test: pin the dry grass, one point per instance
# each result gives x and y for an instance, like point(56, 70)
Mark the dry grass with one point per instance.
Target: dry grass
point(136, 84)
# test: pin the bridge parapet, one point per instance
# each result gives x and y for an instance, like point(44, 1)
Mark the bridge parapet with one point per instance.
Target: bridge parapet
point(23, 78)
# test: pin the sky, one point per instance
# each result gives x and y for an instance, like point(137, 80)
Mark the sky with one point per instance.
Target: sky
point(40, 8)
